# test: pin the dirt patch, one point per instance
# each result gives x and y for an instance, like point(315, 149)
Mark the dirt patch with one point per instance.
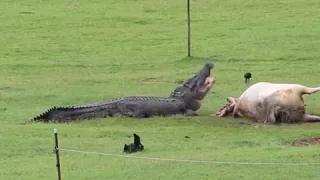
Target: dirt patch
point(306, 142)
point(73, 4)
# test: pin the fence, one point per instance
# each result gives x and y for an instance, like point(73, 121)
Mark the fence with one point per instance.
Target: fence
point(57, 149)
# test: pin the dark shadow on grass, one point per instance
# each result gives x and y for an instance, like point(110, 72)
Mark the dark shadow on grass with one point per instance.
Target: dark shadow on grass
point(131, 20)
point(161, 80)
point(200, 59)
point(3, 109)
point(216, 58)
point(26, 12)
point(11, 89)
point(213, 58)
point(5, 88)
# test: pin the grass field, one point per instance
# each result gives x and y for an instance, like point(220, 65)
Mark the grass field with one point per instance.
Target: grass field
point(58, 52)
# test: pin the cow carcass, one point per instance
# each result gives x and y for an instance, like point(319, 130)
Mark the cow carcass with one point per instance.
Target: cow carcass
point(266, 102)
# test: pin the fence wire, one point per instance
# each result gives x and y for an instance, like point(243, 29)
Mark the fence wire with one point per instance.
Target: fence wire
point(196, 161)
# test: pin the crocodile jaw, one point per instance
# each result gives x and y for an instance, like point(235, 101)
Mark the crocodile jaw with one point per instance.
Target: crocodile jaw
point(206, 87)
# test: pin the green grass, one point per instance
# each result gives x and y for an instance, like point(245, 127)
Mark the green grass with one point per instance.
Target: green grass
point(65, 54)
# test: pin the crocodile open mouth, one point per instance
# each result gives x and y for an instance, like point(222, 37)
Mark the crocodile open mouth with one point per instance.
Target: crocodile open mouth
point(198, 86)
point(206, 87)
point(208, 83)
point(202, 80)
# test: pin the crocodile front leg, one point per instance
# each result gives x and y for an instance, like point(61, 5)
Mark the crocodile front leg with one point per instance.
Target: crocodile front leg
point(132, 109)
point(190, 112)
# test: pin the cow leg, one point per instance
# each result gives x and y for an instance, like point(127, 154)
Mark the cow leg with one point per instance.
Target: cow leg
point(311, 118)
point(233, 102)
point(236, 111)
point(309, 90)
point(307, 117)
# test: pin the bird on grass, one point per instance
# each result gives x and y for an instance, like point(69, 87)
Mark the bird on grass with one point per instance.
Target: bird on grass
point(247, 77)
point(135, 146)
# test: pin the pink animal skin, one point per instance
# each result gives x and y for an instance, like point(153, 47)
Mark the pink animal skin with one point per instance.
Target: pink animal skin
point(266, 102)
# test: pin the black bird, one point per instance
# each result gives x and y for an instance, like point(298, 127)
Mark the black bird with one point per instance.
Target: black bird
point(247, 77)
point(135, 146)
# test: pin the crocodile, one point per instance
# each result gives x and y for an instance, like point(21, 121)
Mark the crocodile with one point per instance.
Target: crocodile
point(184, 100)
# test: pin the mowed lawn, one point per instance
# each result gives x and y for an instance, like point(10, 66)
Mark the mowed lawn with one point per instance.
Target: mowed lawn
point(58, 52)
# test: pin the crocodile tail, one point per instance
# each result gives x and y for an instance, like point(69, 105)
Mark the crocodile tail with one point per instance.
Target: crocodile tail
point(50, 113)
point(44, 116)
point(63, 114)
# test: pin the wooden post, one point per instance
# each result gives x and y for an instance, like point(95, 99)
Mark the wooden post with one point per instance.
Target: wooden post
point(189, 29)
point(56, 150)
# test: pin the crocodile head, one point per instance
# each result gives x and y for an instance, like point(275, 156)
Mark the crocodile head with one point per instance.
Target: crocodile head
point(198, 86)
